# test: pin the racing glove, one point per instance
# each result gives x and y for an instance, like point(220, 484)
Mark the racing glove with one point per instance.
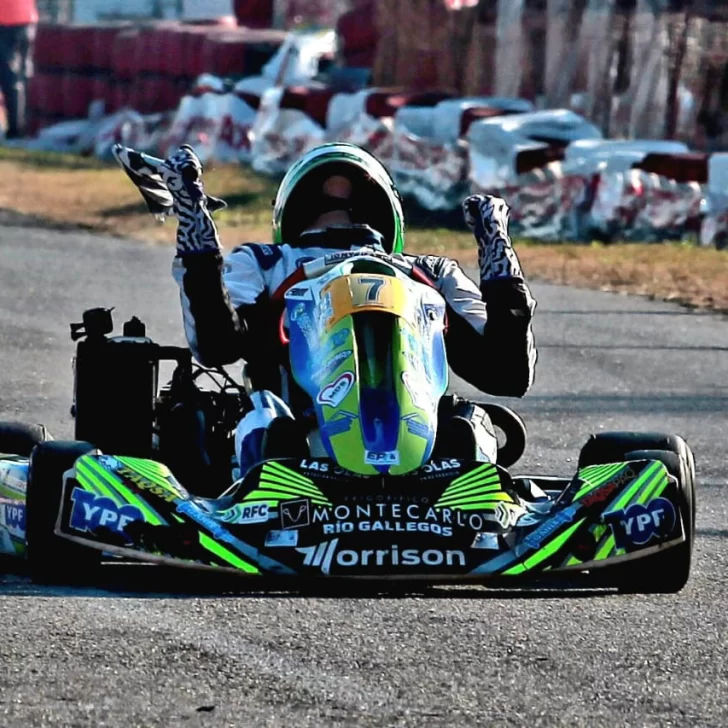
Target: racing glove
point(487, 217)
point(182, 175)
point(175, 187)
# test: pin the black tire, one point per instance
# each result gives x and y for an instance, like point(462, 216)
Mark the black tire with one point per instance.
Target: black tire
point(514, 429)
point(668, 571)
point(17, 438)
point(611, 447)
point(54, 560)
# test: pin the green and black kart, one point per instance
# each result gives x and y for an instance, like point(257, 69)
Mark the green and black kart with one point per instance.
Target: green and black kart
point(137, 485)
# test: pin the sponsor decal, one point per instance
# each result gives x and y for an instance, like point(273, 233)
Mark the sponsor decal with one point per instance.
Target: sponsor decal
point(417, 389)
point(537, 537)
point(266, 255)
point(328, 468)
point(403, 517)
point(334, 394)
point(318, 466)
point(299, 293)
point(218, 531)
point(600, 494)
point(338, 339)
point(301, 318)
point(298, 312)
point(438, 466)
point(325, 554)
point(325, 310)
point(390, 457)
point(487, 541)
point(12, 517)
point(14, 476)
point(199, 516)
point(638, 524)
point(506, 515)
point(295, 513)
point(433, 312)
point(416, 427)
point(92, 512)
point(340, 425)
point(334, 258)
point(281, 539)
point(246, 513)
point(330, 366)
point(148, 485)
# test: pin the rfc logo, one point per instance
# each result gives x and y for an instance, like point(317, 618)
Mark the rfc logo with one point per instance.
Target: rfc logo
point(246, 513)
point(639, 524)
point(295, 513)
point(91, 512)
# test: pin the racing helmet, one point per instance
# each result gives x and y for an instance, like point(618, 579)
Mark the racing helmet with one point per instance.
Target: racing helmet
point(373, 199)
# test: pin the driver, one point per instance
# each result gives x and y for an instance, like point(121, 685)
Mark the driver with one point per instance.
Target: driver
point(335, 198)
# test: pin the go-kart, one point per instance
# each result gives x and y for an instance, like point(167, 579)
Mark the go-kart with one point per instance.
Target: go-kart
point(368, 486)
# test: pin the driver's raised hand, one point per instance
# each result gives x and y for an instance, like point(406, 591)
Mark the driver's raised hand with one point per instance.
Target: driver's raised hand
point(487, 217)
point(182, 174)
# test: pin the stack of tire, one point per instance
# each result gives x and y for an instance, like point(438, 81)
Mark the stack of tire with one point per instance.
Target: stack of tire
point(147, 67)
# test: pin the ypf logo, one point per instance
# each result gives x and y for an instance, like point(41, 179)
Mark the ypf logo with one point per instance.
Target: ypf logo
point(639, 524)
point(91, 512)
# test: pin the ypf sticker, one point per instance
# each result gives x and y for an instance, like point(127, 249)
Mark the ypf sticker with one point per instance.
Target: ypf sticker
point(639, 524)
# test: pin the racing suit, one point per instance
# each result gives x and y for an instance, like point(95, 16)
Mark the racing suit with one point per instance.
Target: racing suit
point(230, 312)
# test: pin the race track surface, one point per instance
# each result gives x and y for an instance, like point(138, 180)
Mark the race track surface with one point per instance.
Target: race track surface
point(141, 652)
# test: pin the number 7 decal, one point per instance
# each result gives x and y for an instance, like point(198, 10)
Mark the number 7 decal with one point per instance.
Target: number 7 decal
point(375, 286)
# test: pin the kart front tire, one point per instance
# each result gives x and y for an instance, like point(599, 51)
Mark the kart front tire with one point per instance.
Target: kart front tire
point(17, 438)
point(51, 559)
point(667, 571)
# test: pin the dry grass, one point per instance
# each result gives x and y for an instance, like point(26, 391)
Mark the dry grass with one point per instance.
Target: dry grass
point(66, 191)
point(693, 276)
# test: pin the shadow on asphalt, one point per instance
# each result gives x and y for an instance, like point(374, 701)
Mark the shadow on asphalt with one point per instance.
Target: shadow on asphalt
point(142, 581)
point(632, 347)
point(712, 532)
point(628, 403)
point(613, 312)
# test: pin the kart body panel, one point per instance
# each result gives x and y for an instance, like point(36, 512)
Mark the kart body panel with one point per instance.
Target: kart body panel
point(450, 519)
point(369, 351)
point(13, 480)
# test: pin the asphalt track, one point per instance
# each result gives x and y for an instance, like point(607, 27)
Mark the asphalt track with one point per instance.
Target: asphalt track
point(141, 652)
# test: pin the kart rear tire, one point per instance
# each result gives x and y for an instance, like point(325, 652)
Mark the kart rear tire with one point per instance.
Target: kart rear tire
point(17, 438)
point(51, 559)
point(513, 427)
point(668, 571)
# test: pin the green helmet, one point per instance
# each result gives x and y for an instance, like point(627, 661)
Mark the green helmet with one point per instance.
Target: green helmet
point(374, 201)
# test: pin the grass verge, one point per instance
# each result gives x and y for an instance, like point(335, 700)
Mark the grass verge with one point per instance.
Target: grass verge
point(68, 192)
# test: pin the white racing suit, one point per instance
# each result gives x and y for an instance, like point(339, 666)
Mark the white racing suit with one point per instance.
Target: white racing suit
point(229, 315)
point(231, 312)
